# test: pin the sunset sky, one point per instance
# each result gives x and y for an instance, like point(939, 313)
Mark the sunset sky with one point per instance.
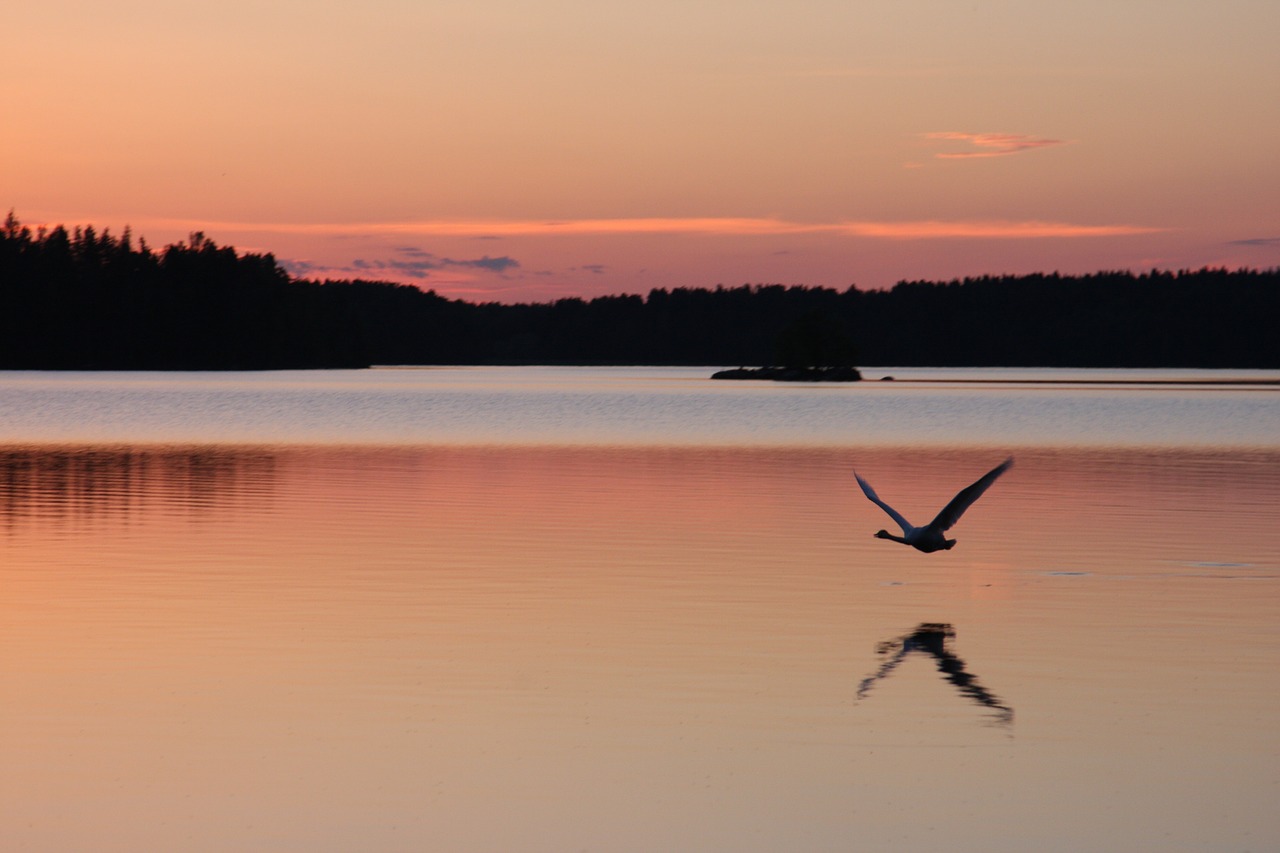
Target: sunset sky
point(496, 149)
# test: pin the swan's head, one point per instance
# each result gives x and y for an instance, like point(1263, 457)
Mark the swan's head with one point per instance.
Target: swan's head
point(883, 534)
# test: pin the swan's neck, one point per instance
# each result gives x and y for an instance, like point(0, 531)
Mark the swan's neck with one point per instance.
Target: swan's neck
point(884, 534)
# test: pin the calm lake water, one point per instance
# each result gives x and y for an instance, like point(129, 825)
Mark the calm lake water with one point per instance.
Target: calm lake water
point(631, 609)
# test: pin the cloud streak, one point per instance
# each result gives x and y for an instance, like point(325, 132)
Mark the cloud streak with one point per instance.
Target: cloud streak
point(416, 264)
point(988, 229)
point(989, 144)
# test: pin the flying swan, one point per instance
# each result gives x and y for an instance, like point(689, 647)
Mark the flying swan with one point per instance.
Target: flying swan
point(929, 538)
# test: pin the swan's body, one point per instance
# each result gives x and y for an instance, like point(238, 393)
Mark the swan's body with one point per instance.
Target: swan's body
point(929, 538)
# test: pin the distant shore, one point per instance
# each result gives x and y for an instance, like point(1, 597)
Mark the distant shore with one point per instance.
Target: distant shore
point(84, 299)
point(1012, 381)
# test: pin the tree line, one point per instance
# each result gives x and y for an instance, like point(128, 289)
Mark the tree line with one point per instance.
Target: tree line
point(88, 299)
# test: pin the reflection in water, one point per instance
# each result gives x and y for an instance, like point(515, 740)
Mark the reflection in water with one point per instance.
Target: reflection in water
point(934, 640)
point(86, 484)
point(631, 649)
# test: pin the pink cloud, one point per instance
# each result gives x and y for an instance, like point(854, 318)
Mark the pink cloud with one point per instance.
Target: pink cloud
point(987, 230)
point(721, 226)
point(989, 144)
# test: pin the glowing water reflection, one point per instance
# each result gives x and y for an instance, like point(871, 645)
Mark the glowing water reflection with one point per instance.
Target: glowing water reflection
point(635, 647)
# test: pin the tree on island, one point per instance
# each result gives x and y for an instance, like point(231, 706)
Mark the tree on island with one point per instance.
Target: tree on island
point(813, 347)
point(815, 339)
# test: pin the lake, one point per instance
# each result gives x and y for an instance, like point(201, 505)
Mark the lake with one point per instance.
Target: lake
point(632, 609)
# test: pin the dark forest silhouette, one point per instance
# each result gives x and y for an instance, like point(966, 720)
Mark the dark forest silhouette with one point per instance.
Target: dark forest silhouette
point(84, 299)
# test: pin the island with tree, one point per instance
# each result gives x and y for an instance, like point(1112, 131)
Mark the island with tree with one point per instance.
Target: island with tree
point(813, 347)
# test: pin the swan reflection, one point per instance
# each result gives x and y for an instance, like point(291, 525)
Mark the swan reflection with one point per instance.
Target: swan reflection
point(934, 639)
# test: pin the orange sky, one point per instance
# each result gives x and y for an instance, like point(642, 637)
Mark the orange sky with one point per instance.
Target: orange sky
point(494, 149)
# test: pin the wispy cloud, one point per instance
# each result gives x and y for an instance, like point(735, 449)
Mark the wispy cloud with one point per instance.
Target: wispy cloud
point(710, 226)
point(1257, 241)
point(416, 263)
point(988, 144)
point(988, 230)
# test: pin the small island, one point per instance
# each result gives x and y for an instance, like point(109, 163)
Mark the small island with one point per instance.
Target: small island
point(792, 374)
point(812, 348)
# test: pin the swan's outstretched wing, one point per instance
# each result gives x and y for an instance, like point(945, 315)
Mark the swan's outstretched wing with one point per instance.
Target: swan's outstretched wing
point(951, 512)
point(893, 513)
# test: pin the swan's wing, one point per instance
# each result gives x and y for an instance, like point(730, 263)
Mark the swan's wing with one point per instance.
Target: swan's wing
point(893, 513)
point(951, 512)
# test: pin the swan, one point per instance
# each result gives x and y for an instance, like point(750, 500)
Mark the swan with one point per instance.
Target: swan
point(929, 538)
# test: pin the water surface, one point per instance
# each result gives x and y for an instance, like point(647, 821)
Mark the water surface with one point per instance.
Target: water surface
point(643, 406)
point(494, 640)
